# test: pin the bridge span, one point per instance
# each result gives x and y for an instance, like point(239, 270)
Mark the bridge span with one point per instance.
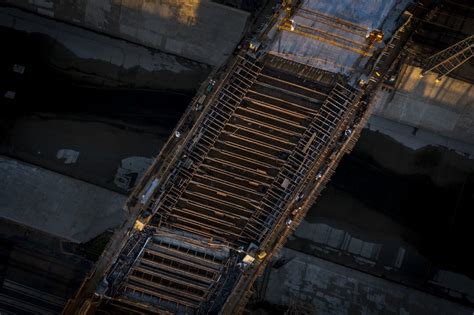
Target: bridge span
point(251, 154)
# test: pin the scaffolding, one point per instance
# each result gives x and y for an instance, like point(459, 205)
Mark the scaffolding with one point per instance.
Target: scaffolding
point(197, 149)
point(256, 122)
point(312, 145)
point(175, 272)
point(273, 131)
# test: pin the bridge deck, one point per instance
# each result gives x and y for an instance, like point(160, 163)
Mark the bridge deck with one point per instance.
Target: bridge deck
point(271, 133)
point(260, 117)
point(227, 185)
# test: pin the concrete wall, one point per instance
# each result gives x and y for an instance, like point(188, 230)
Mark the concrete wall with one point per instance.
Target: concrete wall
point(57, 204)
point(322, 287)
point(199, 30)
point(98, 59)
point(445, 108)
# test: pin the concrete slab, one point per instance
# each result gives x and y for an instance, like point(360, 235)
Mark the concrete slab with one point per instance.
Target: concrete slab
point(333, 289)
point(366, 14)
point(57, 204)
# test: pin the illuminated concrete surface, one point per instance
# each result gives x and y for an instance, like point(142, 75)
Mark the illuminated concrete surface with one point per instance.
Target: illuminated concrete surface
point(445, 108)
point(199, 30)
point(324, 55)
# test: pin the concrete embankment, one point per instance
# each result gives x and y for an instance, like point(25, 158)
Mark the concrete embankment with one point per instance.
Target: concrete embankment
point(198, 30)
point(85, 56)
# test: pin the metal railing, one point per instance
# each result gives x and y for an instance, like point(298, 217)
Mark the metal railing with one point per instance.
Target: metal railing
point(451, 58)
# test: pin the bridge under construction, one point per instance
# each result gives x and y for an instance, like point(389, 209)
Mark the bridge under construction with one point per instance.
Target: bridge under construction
point(249, 157)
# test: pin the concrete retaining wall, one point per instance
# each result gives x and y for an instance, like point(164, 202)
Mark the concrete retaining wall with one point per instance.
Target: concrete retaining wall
point(199, 30)
point(101, 60)
point(445, 108)
point(323, 287)
point(57, 204)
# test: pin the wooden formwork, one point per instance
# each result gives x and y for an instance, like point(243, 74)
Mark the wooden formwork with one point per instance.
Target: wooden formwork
point(356, 117)
point(230, 174)
point(243, 143)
